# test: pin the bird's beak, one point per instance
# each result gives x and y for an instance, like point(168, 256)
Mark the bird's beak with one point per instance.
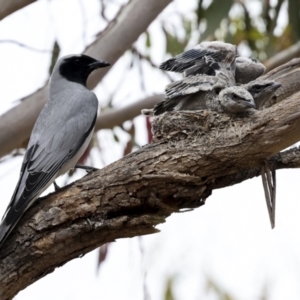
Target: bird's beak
point(99, 64)
point(276, 86)
point(252, 104)
point(249, 103)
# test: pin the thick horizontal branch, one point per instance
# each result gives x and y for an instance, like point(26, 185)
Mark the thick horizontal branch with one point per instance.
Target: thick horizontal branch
point(117, 116)
point(9, 7)
point(289, 159)
point(121, 33)
point(192, 151)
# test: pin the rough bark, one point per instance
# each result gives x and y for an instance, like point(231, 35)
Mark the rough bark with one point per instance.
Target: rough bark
point(121, 33)
point(193, 153)
point(9, 7)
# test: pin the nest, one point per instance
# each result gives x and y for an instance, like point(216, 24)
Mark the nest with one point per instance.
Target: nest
point(203, 127)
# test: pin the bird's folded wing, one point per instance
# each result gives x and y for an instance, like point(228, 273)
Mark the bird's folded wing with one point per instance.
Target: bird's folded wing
point(50, 153)
point(47, 155)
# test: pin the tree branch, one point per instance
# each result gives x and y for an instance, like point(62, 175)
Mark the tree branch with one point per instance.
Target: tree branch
point(288, 159)
point(283, 57)
point(192, 154)
point(120, 34)
point(117, 116)
point(9, 7)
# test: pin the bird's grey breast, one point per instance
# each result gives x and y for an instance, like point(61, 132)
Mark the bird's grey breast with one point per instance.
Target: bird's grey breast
point(67, 101)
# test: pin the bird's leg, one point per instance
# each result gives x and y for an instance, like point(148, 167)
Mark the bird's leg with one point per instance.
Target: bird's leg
point(87, 168)
point(56, 187)
point(269, 184)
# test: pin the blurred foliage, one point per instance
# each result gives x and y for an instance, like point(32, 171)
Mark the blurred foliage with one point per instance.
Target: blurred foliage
point(54, 57)
point(253, 23)
point(169, 295)
point(219, 292)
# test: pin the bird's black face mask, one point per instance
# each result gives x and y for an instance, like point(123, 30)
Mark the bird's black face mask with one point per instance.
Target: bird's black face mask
point(77, 68)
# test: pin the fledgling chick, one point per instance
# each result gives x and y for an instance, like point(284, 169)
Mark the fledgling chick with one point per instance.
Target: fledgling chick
point(261, 91)
point(190, 93)
point(204, 92)
point(232, 100)
point(247, 69)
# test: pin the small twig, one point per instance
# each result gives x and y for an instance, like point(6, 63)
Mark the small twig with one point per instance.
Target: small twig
point(25, 46)
point(266, 190)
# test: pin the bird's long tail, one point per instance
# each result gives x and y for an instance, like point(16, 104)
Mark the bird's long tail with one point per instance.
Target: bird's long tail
point(9, 222)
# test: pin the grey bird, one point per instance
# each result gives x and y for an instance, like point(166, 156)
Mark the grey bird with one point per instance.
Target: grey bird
point(204, 92)
point(196, 92)
point(60, 135)
point(262, 91)
point(207, 57)
point(232, 100)
point(199, 59)
point(190, 93)
point(247, 69)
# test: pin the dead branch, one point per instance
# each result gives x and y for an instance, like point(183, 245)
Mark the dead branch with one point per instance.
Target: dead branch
point(117, 116)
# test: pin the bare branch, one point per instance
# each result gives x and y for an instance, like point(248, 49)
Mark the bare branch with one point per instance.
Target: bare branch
point(283, 57)
point(25, 46)
point(193, 152)
point(8, 7)
point(117, 116)
point(16, 124)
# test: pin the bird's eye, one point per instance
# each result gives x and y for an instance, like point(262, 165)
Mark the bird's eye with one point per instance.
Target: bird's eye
point(257, 88)
point(218, 90)
point(235, 97)
point(77, 62)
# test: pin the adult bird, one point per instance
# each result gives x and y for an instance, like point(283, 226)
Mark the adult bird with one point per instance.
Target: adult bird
point(59, 137)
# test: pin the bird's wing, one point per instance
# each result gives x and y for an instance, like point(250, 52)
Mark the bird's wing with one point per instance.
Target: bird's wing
point(191, 58)
point(194, 61)
point(180, 90)
point(190, 85)
point(48, 150)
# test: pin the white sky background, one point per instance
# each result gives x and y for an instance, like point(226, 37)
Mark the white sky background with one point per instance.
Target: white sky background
point(228, 240)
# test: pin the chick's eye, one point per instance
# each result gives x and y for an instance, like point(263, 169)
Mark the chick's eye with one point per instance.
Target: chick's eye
point(235, 97)
point(257, 88)
point(77, 62)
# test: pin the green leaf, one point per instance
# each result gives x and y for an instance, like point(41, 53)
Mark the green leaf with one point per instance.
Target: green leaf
point(148, 40)
point(169, 290)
